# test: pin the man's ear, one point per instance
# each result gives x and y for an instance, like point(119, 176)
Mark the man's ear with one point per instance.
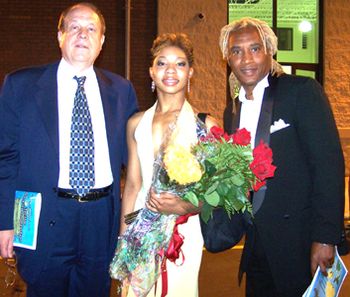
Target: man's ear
point(59, 37)
point(103, 37)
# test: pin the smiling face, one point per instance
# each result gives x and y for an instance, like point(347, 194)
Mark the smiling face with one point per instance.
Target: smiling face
point(170, 71)
point(82, 38)
point(247, 57)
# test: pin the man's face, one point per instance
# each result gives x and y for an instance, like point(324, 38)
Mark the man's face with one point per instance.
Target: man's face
point(247, 57)
point(82, 39)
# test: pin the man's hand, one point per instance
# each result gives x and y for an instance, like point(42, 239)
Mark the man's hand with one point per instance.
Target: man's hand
point(6, 244)
point(321, 255)
point(168, 203)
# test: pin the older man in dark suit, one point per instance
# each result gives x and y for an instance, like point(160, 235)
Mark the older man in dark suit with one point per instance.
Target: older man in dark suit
point(298, 217)
point(63, 136)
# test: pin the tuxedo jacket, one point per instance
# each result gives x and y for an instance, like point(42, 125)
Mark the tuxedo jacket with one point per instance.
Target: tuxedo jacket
point(29, 147)
point(304, 201)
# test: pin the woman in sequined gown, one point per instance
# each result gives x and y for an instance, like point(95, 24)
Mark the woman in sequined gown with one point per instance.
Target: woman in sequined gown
point(171, 71)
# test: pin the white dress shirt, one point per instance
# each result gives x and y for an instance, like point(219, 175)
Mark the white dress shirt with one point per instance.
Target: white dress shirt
point(67, 86)
point(250, 109)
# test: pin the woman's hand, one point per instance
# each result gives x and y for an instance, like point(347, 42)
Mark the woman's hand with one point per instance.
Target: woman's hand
point(168, 203)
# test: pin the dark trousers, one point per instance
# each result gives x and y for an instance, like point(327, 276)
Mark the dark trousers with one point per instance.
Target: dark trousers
point(259, 279)
point(78, 264)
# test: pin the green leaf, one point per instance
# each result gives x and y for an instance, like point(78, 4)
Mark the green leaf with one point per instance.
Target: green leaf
point(238, 205)
point(237, 180)
point(192, 197)
point(212, 188)
point(222, 189)
point(213, 198)
point(206, 212)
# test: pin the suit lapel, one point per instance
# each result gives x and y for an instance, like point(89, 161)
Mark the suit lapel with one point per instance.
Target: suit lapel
point(46, 98)
point(264, 123)
point(263, 132)
point(109, 103)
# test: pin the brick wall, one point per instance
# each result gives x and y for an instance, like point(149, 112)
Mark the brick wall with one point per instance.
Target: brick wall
point(337, 58)
point(336, 66)
point(29, 37)
point(29, 33)
point(208, 85)
point(143, 31)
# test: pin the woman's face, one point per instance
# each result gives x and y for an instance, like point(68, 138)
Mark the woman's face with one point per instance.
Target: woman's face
point(171, 71)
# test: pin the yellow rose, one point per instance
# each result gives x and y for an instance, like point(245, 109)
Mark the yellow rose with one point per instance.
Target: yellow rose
point(181, 165)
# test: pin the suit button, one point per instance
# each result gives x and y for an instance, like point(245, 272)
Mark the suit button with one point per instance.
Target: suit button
point(52, 223)
point(286, 216)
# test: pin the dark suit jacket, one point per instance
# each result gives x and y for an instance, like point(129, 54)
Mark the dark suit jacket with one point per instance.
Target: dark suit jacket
point(304, 201)
point(29, 147)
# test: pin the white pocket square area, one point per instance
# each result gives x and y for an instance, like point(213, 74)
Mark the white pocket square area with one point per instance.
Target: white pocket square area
point(278, 125)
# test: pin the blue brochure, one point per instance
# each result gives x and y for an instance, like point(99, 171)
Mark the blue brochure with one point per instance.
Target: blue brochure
point(328, 286)
point(26, 219)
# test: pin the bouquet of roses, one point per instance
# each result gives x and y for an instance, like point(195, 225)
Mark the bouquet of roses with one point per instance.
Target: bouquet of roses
point(226, 169)
point(218, 171)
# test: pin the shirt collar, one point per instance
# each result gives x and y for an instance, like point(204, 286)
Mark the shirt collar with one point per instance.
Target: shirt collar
point(69, 71)
point(258, 91)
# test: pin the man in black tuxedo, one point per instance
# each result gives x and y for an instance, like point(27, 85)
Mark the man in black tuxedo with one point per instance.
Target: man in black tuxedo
point(298, 217)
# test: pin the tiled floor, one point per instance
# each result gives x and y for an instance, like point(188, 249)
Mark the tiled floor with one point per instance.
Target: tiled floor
point(218, 277)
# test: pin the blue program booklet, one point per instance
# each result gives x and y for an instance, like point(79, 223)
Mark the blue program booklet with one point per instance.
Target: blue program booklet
point(26, 219)
point(328, 286)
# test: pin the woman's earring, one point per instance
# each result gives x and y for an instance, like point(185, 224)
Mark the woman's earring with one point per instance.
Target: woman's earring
point(153, 86)
point(188, 86)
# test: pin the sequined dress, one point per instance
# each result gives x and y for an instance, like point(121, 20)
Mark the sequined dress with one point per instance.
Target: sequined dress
point(183, 279)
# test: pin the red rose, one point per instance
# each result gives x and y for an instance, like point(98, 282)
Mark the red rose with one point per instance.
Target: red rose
point(226, 137)
point(241, 137)
point(217, 132)
point(262, 169)
point(258, 185)
point(262, 164)
point(262, 151)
